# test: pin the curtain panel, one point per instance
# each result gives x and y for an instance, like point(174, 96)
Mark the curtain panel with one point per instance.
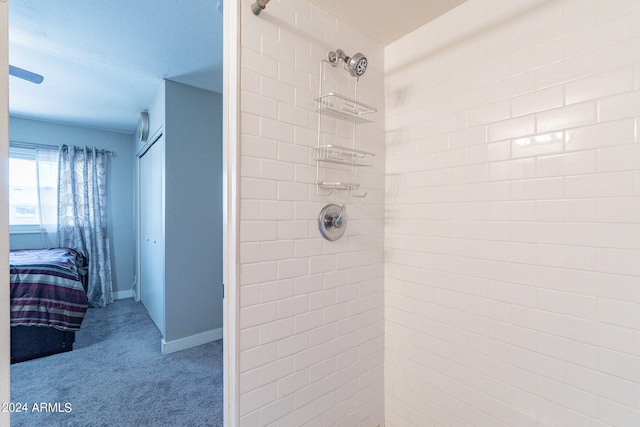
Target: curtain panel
point(82, 215)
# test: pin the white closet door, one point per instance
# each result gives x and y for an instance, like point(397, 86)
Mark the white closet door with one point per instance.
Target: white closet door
point(152, 233)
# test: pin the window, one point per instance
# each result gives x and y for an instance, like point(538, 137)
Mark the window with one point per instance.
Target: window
point(33, 194)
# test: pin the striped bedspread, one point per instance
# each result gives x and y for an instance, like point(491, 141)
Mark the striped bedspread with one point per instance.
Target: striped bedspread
point(46, 288)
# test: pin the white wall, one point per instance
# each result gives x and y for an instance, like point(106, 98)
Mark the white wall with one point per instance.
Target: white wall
point(120, 188)
point(512, 281)
point(311, 313)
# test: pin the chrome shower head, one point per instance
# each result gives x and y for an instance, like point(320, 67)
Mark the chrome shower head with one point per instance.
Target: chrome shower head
point(357, 64)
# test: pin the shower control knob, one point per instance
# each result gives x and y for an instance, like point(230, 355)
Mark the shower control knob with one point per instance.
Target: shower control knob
point(332, 221)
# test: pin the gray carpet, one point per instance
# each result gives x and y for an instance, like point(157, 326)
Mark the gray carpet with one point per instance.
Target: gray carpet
point(116, 376)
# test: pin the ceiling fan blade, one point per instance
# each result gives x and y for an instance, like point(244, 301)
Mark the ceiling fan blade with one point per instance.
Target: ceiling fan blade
point(25, 75)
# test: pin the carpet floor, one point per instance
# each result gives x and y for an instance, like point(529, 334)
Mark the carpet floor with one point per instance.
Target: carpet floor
point(117, 376)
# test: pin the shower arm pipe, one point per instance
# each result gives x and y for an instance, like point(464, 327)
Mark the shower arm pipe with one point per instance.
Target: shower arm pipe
point(259, 6)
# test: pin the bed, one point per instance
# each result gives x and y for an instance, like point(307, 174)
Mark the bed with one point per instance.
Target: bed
point(48, 301)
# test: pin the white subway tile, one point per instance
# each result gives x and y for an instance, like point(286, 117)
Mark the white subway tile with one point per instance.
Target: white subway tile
point(513, 335)
point(614, 286)
point(571, 351)
point(599, 86)
point(620, 261)
point(614, 413)
point(619, 106)
point(276, 210)
point(292, 383)
point(512, 169)
point(544, 366)
point(536, 189)
point(625, 209)
point(568, 70)
point(538, 276)
point(273, 129)
point(618, 55)
point(259, 105)
point(626, 157)
point(539, 144)
point(601, 135)
point(257, 273)
point(275, 170)
point(537, 58)
point(274, 411)
point(258, 147)
point(619, 313)
point(601, 384)
point(616, 184)
point(567, 256)
point(569, 397)
point(599, 36)
point(511, 87)
point(293, 115)
point(253, 61)
point(258, 314)
point(620, 365)
point(535, 319)
point(275, 291)
point(274, 331)
point(623, 236)
point(539, 100)
point(577, 163)
point(567, 117)
point(292, 268)
point(603, 335)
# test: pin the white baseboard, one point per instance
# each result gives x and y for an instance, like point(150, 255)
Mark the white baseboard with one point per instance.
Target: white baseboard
point(123, 294)
point(192, 341)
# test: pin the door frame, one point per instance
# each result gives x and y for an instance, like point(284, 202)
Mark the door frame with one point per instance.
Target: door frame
point(230, 221)
point(5, 335)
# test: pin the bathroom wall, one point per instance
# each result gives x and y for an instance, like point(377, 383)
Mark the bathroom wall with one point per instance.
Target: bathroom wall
point(311, 310)
point(512, 273)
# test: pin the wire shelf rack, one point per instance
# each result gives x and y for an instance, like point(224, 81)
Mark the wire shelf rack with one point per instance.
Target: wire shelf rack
point(343, 155)
point(342, 107)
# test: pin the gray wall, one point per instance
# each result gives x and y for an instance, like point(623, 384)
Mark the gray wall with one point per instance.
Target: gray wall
point(193, 227)
point(120, 187)
point(192, 124)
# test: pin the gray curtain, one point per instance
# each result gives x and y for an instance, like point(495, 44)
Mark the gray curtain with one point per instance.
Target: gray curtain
point(82, 215)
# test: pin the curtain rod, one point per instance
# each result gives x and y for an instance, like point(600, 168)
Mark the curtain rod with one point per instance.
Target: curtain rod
point(75, 147)
point(31, 144)
point(24, 144)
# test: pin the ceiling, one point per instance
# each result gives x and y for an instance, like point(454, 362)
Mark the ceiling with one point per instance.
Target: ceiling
point(386, 21)
point(103, 61)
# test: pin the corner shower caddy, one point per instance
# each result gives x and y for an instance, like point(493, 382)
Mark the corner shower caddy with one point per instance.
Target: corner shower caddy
point(350, 110)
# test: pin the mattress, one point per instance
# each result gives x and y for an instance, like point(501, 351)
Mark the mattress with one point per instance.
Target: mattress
point(47, 288)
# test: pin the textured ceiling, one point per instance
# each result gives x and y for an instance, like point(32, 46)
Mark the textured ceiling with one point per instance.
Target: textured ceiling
point(386, 21)
point(102, 61)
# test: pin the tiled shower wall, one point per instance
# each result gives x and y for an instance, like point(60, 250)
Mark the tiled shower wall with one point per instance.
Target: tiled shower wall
point(512, 291)
point(311, 316)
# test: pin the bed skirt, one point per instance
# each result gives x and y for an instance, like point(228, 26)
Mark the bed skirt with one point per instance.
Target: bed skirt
point(31, 342)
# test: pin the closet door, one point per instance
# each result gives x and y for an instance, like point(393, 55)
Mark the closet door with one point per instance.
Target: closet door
point(152, 290)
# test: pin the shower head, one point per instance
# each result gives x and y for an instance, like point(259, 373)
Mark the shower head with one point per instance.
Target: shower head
point(356, 64)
